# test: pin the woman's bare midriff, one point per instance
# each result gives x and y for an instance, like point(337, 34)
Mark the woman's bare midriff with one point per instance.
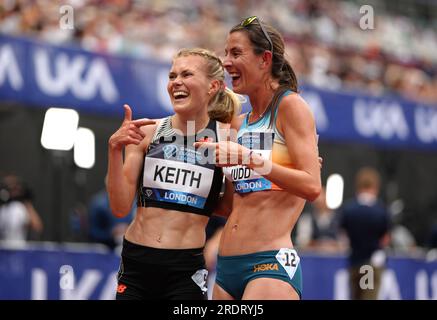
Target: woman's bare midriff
point(167, 229)
point(260, 221)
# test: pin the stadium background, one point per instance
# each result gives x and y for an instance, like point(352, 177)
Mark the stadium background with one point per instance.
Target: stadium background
point(393, 66)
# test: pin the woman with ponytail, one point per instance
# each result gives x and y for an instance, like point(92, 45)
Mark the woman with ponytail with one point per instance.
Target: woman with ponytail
point(176, 186)
point(275, 169)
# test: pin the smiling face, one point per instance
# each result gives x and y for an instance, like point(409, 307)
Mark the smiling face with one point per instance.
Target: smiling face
point(242, 64)
point(188, 84)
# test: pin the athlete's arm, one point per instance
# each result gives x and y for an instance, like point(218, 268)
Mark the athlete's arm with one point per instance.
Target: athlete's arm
point(296, 122)
point(123, 175)
point(224, 206)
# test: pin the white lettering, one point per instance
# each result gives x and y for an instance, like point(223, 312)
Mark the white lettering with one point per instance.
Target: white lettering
point(366, 281)
point(425, 122)
point(341, 285)
point(422, 285)
point(389, 289)
point(39, 284)
point(190, 310)
point(180, 197)
point(252, 185)
point(9, 70)
point(69, 74)
point(67, 20)
point(367, 20)
point(109, 290)
point(66, 282)
point(385, 120)
point(434, 285)
point(84, 288)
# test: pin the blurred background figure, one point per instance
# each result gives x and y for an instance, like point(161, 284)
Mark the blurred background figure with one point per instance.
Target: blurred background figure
point(366, 223)
point(402, 240)
point(19, 221)
point(318, 228)
point(104, 227)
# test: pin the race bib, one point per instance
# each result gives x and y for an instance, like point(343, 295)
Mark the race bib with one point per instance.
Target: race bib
point(289, 259)
point(245, 179)
point(176, 182)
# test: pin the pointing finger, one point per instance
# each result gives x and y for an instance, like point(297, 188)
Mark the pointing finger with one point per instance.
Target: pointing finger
point(127, 113)
point(143, 122)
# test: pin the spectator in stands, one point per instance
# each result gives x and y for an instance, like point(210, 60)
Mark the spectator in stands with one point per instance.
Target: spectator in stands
point(366, 223)
point(339, 47)
point(104, 227)
point(18, 216)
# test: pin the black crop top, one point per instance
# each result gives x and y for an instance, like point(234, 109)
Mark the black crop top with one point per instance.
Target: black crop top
point(176, 176)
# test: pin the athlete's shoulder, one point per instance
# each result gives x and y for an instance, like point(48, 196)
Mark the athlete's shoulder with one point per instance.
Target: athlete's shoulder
point(293, 105)
point(238, 121)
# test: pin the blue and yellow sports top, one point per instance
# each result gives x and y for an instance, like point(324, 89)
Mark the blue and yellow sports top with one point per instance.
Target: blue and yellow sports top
point(262, 137)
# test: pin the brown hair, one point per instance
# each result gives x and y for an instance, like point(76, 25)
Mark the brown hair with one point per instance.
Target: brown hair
point(281, 68)
point(367, 178)
point(224, 105)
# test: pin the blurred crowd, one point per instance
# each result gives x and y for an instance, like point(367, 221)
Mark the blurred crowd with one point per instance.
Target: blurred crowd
point(325, 43)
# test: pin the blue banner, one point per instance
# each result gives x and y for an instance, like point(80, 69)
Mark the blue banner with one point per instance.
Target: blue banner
point(43, 75)
point(61, 273)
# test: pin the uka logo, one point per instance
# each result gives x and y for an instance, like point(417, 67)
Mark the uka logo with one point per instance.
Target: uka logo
point(91, 284)
point(58, 74)
point(378, 119)
point(426, 124)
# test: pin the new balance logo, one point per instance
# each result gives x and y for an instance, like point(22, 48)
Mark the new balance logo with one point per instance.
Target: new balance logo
point(121, 288)
point(265, 267)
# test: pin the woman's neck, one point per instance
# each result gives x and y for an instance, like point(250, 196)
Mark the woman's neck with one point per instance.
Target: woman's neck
point(260, 99)
point(190, 124)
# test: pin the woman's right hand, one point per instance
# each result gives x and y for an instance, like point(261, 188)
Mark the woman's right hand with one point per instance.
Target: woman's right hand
point(129, 132)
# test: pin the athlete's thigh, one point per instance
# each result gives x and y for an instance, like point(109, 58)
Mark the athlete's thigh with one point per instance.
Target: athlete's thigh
point(269, 289)
point(220, 294)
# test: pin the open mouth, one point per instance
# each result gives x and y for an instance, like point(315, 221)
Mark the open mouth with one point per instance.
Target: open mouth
point(235, 77)
point(180, 95)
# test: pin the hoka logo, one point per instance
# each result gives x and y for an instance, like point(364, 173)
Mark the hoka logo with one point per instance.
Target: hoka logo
point(265, 267)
